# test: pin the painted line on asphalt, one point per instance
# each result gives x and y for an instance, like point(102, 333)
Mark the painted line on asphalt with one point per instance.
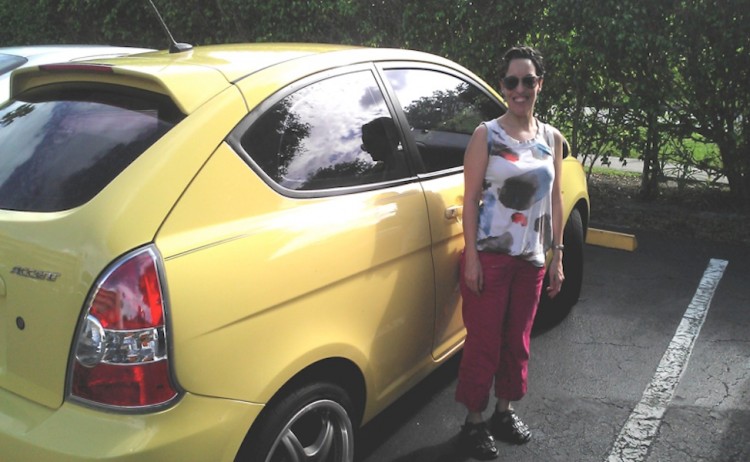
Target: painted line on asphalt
point(636, 436)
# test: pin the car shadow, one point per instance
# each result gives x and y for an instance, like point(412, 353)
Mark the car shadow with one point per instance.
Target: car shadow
point(444, 452)
point(390, 422)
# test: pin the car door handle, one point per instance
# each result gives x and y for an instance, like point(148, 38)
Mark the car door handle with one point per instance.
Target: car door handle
point(454, 212)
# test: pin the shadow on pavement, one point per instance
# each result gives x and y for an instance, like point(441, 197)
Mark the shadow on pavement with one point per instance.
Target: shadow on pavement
point(392, 421)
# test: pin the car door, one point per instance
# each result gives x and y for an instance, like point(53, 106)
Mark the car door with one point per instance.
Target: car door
point(442, 108)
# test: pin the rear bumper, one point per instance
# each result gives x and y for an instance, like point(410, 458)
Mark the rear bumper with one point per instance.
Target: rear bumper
point(195, 429)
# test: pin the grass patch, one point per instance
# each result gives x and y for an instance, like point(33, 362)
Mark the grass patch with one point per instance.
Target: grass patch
point(613, 171)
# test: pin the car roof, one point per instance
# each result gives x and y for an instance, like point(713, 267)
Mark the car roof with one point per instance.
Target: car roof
point(192, 77)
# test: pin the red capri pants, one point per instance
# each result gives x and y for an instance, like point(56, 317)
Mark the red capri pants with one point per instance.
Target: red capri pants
point(498, 324)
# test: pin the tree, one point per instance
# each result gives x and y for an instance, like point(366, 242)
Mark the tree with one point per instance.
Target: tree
point(580, 97)
point(712, 40)
point(474, 33)
point(617, 94)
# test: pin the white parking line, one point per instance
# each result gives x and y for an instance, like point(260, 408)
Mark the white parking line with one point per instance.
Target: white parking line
point(633, 443)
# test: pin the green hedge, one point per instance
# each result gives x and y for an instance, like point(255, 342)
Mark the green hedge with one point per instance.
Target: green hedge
point(623, 76)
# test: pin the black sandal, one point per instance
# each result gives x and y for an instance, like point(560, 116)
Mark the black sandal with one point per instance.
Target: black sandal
point(477, 441)
point(506, 426)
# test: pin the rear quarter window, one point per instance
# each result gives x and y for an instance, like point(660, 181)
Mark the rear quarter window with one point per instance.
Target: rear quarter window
point(335, 133)
point(61, 145)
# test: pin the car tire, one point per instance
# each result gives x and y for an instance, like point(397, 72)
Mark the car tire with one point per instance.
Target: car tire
point(554, 310)
point(310, 424)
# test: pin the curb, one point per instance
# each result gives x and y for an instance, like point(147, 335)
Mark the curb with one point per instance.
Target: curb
point(611, 239)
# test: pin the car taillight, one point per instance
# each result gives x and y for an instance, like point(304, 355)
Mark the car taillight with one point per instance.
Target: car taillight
point(120, 355)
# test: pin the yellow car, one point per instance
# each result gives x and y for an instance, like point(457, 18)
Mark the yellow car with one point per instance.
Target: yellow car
point(237, 252)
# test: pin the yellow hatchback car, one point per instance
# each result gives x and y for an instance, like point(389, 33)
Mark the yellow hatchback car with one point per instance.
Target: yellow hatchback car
point(236, 252)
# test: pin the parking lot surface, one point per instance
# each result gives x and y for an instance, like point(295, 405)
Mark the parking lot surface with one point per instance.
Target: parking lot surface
point(590, 372)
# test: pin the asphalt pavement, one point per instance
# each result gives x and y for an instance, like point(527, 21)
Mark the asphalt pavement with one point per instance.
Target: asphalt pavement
point(591, 374)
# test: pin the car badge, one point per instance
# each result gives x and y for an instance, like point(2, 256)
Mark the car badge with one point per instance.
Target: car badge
point(31, 273)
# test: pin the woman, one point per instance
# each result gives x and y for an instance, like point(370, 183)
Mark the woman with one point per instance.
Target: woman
point(512, 216)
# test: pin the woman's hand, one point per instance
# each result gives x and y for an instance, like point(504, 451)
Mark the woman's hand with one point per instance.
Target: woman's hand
point(556, 276)
point(473, 276)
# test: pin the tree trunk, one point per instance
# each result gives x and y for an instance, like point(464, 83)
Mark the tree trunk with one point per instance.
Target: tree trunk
point(651, 168)
point(736, 164)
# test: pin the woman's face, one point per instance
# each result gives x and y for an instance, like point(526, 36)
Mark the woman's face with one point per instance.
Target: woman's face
point(520, 87)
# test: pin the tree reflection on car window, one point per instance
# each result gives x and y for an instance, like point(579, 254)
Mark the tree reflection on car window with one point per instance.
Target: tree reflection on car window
point(60, 146)
point(442, 111)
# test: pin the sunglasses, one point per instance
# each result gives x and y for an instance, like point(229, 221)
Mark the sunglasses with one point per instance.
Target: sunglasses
point(528, 81)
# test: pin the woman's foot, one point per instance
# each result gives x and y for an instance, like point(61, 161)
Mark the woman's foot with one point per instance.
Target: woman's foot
point(476, 441)
point(506, 426)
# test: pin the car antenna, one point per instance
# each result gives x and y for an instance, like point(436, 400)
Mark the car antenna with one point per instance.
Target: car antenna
point(174, 47)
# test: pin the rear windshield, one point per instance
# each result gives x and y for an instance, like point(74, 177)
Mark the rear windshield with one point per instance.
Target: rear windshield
point(61, 145)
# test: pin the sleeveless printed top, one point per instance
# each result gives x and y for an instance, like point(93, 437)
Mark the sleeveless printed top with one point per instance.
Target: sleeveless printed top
point(515, 215)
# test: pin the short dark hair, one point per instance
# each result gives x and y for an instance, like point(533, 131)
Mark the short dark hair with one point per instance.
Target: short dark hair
point(522, 52)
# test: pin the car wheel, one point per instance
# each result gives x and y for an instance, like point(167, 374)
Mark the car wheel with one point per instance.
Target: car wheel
point(311, 424)
point(552, 310)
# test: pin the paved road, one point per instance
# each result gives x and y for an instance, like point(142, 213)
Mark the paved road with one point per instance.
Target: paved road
point(670, 170)
point(589, 373)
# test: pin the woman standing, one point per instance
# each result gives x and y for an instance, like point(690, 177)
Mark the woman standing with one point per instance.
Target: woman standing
point(512, 216)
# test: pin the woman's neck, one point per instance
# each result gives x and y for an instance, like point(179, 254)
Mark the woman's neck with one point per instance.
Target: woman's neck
point(519, 128)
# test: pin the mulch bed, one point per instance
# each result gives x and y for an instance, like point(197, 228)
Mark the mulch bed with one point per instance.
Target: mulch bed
point(689, 210)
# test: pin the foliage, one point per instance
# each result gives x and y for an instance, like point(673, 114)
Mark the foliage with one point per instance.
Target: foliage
point(612, 51)
point(713, 43)
point(586, 104)
point(622, 76)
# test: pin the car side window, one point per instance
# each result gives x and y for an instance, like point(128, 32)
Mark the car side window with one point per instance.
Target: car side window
point(442, 111)
point(331, 134)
